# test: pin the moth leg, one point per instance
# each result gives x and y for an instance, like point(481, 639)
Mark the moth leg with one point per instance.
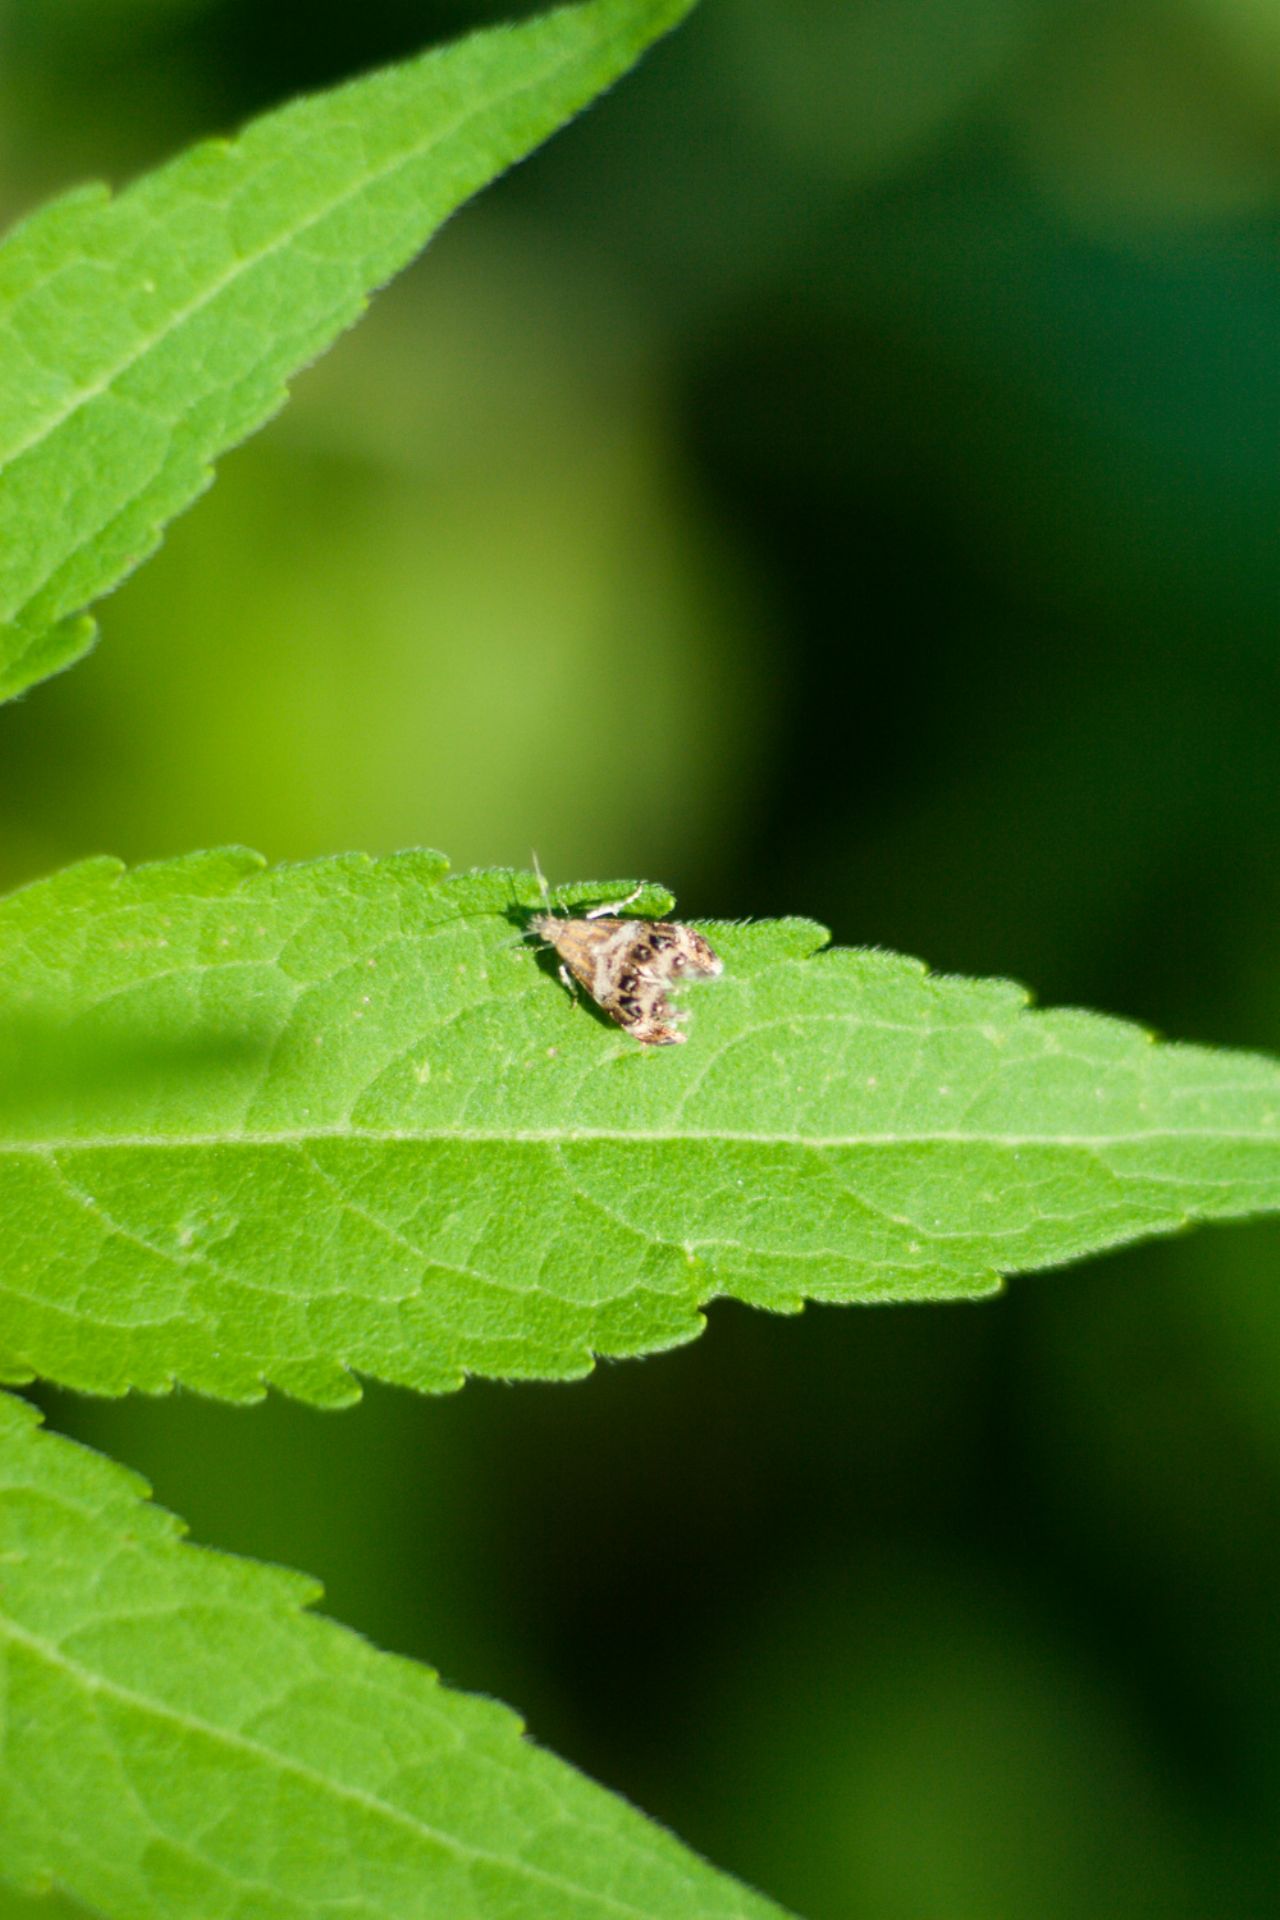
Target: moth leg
point(614, 906)
point(662, 1034)
point(568, 979)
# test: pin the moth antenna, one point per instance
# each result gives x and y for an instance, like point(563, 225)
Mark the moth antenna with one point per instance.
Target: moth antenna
point(542, 881)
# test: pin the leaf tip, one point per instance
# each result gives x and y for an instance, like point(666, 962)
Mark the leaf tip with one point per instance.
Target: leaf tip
point(27, 657)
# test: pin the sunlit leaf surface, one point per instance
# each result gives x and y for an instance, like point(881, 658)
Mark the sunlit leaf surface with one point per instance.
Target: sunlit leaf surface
point(282, 1125)
point(142, 335)
point(181, 1738)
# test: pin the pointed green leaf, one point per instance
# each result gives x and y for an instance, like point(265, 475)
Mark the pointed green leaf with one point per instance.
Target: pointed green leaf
point(279, 1125)
point(143, 335)
point(181, 1738)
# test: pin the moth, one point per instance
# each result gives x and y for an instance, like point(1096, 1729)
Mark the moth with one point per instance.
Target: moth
point(629, 966)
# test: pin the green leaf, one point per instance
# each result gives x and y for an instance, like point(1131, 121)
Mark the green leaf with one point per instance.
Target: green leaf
point(181, 1738)
point(279, 1125)
point(141, 336)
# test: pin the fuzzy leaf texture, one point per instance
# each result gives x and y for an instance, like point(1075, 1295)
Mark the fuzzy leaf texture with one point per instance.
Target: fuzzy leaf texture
point(286, 1126)
point(142, 335)
point(182, 1739)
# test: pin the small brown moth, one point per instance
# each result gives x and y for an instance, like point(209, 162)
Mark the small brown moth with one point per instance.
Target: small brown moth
point(628, 966)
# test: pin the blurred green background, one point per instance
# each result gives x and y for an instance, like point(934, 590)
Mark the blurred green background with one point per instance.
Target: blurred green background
point(838, 476)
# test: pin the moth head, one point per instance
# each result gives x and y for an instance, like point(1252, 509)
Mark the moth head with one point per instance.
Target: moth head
point(693, 954)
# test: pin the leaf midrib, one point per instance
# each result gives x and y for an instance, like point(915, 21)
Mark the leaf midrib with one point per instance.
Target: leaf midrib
point(561, 1136)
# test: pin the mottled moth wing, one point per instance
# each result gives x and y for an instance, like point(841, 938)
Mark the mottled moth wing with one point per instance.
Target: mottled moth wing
point(628, 966)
